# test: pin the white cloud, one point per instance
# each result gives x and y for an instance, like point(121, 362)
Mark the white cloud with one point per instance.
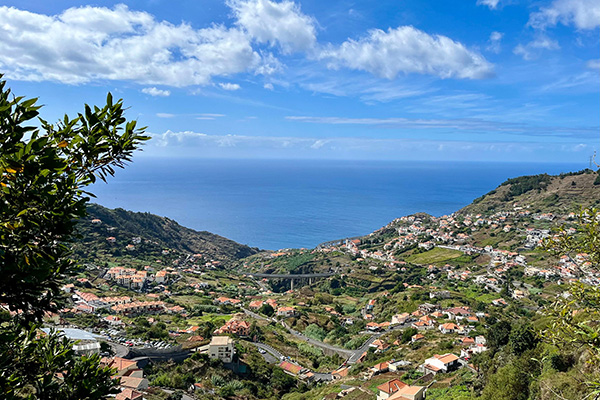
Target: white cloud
point(152, 91)
point(165, 115)
point(494, 42)
point(90, 43)
point(269, 64)
point(586, 81)
point(369, 90)
point(408, 50)
point(85, 44)
point(532, 50)
point(280, 23)
point(229, 86)
point(319, 143)
point(583, 14)
point(492, 4)
point(269, 86)
point(593, 64)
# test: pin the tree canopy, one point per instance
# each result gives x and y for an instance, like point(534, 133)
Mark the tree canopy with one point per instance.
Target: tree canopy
point(44, 169)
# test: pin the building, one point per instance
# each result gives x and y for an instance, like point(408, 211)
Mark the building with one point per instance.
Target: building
point(255, 305)
point(84, 343)
point(221, 347)
point(291, 368)
point(444, 363)
point(398, 390)
point(449, 327)
point(409, 393)
point(113, 320)
point(226, 301)
point(131, 377)
point(124, 367)
point(236, 327)
point(160, 277)
point(416, 338)
point(401, 318)
point(286, 312)
point(129, 394)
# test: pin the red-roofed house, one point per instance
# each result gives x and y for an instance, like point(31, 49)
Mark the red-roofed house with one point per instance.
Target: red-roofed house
point(129, 394)
point(409, 393)
point(373, 326)
point(237, 327)
point(113, 320)
point(389, 388)
point(133, 382)
point(381, 367)
point(417, 337)
point(449, 327)
point(255, 304)
point(340, 373)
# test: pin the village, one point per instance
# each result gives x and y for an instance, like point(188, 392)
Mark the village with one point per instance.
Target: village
point(416, 325)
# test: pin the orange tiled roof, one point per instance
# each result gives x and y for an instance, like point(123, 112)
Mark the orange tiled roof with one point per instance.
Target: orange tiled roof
point(392, 386)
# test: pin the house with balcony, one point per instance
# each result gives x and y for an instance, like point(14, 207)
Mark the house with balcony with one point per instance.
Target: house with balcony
point(221, 348)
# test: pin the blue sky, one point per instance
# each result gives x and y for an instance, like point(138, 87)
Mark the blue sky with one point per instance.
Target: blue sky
point(501, 80)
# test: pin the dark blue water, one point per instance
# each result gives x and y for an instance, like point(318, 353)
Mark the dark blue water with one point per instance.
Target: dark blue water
point(279, 204)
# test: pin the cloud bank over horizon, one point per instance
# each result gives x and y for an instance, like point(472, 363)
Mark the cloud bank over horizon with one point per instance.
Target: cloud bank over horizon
point(191, 144)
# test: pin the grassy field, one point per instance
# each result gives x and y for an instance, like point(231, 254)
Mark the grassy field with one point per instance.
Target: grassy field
point(434, 256)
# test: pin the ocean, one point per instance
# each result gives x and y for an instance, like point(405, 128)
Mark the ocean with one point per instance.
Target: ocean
point(275, 204)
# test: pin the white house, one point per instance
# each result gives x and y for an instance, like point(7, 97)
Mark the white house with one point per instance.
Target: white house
point(443, 363)
point(221, 347)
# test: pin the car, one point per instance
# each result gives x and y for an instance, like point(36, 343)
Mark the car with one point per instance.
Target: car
point(261, 351)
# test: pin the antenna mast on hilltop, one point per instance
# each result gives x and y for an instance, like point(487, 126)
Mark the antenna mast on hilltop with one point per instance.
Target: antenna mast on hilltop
point(593, 161)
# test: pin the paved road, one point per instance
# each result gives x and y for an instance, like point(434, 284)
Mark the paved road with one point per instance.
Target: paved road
point(258, 316)
point(119, 349)
point(365, 347)
point(274, 357)
point(271, 355)
point(341, 351)
point(352, 355)
point(262, 285)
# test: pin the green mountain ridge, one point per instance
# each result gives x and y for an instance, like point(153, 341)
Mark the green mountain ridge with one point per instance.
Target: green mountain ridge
point(161, 232)
point(541, 194)
point(536, 193)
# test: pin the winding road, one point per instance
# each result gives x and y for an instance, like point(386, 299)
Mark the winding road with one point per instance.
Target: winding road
point(339, 350)
point(352, 355)
point(271, 355)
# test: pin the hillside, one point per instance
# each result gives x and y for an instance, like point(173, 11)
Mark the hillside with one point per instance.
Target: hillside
point(541, 193)
point(157, 232)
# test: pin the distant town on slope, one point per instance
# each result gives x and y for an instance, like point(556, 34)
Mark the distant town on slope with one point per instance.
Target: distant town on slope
point(438, 307)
